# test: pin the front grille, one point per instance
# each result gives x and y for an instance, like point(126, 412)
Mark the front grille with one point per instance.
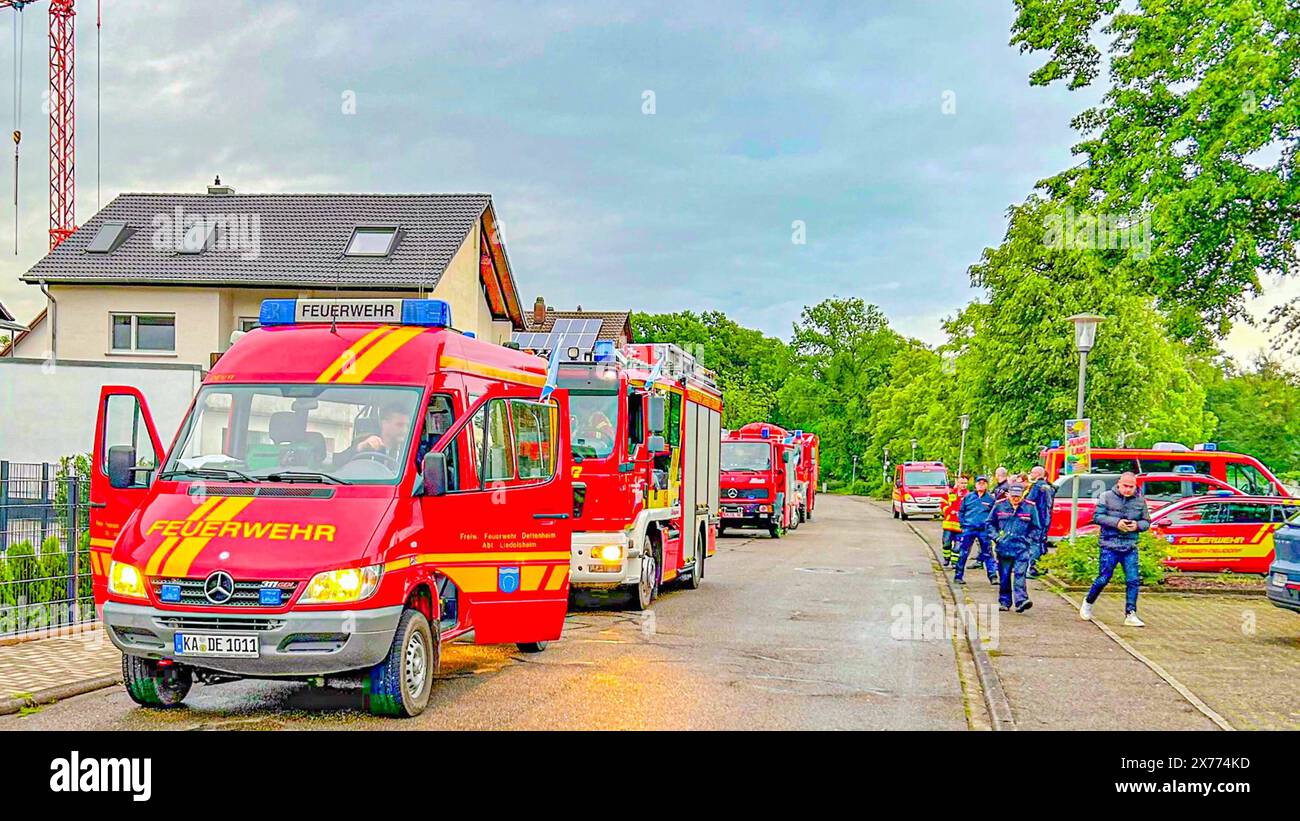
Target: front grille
point(277, 491)
point(246, 593)
point(745, 493)
point(219, 623)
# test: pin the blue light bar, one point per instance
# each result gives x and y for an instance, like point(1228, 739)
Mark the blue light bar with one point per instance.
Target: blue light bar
point(430, 313)
point(1056, 443)
point(1184, 468)
point(426, 313)
point(278, 311)
point(603, 351)
point(1207, 446)
point(765, 433)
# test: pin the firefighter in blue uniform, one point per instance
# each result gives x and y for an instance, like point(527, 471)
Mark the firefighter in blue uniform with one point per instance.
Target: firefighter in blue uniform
point(1042, 494)
point(1016, 525)
point(973, 516)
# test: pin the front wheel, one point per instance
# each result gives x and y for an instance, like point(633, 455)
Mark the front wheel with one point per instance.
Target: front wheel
point(643, 592)
point(152, 685)
point(701, 551)
point(400, 685)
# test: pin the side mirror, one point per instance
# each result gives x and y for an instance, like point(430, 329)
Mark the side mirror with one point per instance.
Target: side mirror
point(656, 445)
point(579, 499)
point(657, 414)
point(121, 461)
point(1164, 523)
point(434, 472)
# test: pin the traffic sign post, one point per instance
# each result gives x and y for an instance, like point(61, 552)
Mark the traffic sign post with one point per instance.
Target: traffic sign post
point(1078, 460)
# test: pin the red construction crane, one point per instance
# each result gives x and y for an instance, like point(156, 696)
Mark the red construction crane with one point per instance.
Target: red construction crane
point(63, 154)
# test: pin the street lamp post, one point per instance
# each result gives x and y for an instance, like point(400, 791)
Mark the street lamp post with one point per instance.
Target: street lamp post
point(913, 450)
point(855, 471)
point(1085, 334)
point(961, 456)
point(884, 467)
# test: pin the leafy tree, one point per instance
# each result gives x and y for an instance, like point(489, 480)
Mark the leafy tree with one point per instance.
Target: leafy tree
point(1258, 410)
point(1016, 367)
point(1198, 131)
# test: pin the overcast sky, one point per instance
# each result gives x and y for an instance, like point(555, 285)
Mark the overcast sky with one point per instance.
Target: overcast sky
point(895, 133)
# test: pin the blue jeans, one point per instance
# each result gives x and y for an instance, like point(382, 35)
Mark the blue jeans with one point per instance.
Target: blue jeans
point(1110, 558)
point(986, 553)
point(1012, 569)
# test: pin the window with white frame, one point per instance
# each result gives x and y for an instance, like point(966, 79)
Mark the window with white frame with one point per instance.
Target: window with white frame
point(248, 323)
point(143, 333)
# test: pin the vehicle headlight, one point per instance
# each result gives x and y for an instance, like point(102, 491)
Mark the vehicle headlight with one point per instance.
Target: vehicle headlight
point(1279, 580)
point(347, 585)
point(907, 497)
point(126, 580)
point(608, 552)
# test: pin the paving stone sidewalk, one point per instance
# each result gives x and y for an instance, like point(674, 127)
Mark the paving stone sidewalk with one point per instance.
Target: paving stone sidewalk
point(1062, 673)
point(1238, 654)
point(29, 667)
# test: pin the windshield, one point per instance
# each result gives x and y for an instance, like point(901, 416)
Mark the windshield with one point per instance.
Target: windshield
point(592, 421)
point(925, 478)
point(756, 456)
point(322, 433)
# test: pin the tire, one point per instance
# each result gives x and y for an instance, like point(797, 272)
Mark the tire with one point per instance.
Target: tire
point(802, 516)
point(532, 646)
point(401, 684)
point(895, 510)
point(701, 553)
point(643, 592)
point(902, 515)
point(149, 686)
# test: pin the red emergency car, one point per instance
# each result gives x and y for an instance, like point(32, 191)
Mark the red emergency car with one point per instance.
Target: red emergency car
point(1160, 489)
point(760, 479)
point(1218, 533)
point(355, 484)
point(646, 427)
point(920, 489)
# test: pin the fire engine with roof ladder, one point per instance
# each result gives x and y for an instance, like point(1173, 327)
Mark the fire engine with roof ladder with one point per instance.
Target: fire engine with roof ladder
point(355, 484)
point(645, 432)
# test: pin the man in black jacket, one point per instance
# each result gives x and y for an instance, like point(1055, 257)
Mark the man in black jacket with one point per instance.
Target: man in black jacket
point(1121, 516)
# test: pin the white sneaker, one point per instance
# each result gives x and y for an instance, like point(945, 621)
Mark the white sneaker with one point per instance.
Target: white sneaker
point(1085, 611)
point(1132, 620)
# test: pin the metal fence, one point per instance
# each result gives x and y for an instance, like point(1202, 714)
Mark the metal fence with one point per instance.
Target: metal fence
point(45, 578)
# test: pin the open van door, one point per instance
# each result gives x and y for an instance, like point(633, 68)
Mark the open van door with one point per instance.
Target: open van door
point(127, 453)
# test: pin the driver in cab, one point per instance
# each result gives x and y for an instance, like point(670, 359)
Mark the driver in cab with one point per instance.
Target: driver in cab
point(394, 424)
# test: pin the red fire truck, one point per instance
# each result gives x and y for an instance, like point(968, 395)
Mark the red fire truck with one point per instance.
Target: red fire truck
point(355, 484)
point(760, 470)
point(809, 471)
point(646, 426)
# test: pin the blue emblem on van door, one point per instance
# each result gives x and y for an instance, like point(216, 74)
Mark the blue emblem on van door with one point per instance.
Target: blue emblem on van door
point(507, 579)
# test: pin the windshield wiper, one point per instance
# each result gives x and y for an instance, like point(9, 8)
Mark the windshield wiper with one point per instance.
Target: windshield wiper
point(305, 476)
point(209, 473)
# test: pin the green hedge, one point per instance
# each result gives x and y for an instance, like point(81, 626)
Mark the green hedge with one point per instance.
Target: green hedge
point(1079, 563)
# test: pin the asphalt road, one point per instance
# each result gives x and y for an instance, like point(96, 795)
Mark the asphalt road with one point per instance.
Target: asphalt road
point(802, 632)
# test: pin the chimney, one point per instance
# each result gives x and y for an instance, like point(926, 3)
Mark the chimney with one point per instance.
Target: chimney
point(539, 311)
point(218, 188)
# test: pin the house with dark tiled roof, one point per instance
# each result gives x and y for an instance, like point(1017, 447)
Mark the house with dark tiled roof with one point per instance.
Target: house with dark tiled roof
point(170, 277)
point(615, 326)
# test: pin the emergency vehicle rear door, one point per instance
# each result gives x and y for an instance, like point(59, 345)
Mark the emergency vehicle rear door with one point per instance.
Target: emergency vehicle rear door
point(126, 455)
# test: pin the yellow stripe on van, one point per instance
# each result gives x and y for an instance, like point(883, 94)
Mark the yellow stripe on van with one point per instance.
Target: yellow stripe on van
point(156, 560)
point(456, 363)
point(377, 355)
point(178, 564)
point(348, 358)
